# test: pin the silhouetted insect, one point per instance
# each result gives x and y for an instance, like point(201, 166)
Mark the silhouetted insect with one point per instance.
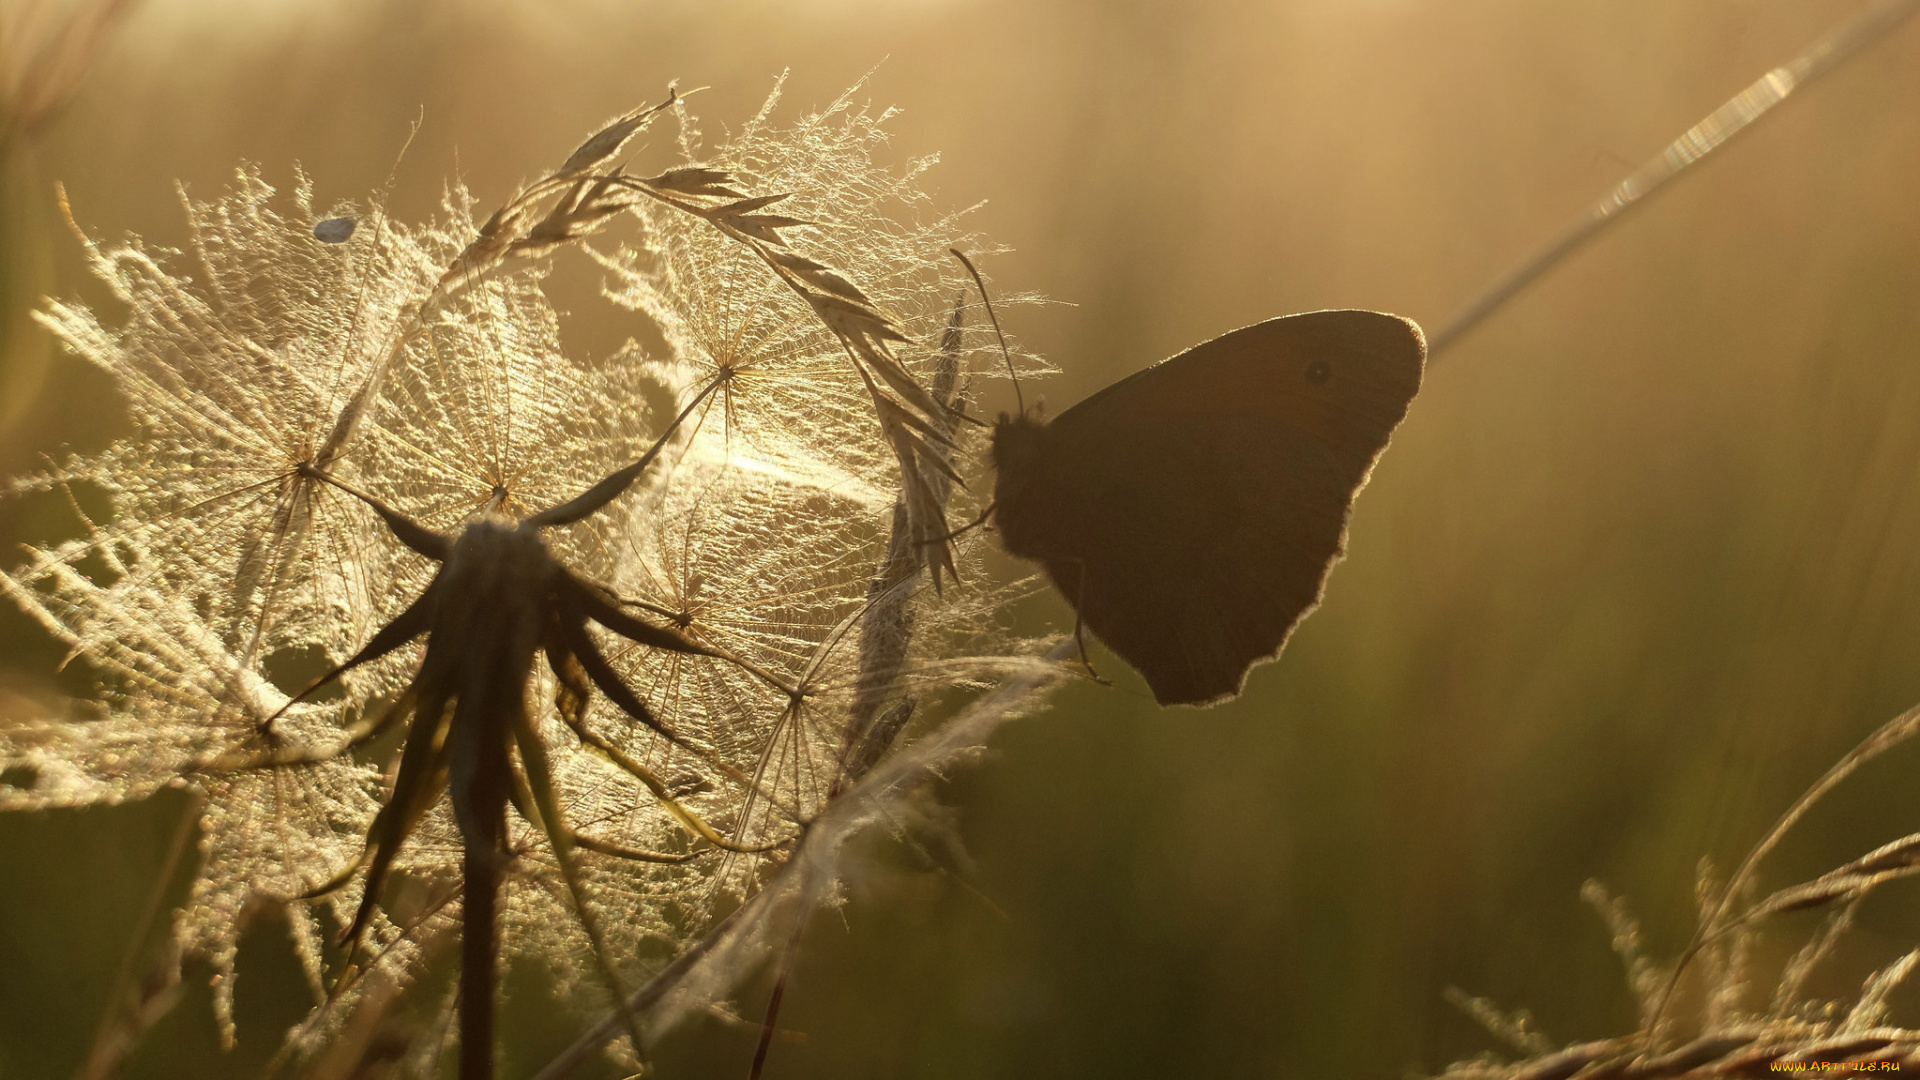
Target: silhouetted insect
point(1192, 511)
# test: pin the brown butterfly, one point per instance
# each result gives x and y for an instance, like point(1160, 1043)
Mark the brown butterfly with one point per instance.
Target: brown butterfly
point(1191, 512)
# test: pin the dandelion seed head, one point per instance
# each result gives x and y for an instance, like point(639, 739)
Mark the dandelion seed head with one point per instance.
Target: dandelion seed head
point(800, 287)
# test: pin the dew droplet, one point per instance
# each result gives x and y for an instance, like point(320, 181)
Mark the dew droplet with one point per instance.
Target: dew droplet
point(335, 230)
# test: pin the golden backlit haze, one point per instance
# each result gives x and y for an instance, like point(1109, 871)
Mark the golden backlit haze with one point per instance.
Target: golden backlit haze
point(1643, 560)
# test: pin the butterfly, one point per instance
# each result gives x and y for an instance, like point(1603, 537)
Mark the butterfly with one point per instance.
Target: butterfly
point(1192, 512)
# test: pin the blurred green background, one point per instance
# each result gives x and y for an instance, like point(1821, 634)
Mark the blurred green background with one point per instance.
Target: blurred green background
point(1643, 561)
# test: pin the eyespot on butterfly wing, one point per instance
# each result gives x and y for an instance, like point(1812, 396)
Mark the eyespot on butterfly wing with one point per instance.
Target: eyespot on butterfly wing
point(1192, 512)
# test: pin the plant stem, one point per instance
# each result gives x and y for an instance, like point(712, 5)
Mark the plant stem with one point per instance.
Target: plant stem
point(1832, 50)
point(481, 894)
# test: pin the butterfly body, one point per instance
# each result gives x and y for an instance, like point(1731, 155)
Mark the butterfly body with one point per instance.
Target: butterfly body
point(1192, 511)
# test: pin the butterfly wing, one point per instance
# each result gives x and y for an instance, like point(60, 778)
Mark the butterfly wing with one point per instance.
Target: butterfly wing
point(1192, 512)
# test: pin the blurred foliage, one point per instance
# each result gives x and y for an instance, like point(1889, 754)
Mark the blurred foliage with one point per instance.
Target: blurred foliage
point(1642, 562)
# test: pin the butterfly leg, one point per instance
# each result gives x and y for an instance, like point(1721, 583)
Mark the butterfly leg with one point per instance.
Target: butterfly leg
point(1080, 623)
point(956, 534)
point(1080, 643)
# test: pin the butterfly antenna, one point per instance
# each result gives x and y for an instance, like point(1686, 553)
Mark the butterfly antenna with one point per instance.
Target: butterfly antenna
point(995, 319)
